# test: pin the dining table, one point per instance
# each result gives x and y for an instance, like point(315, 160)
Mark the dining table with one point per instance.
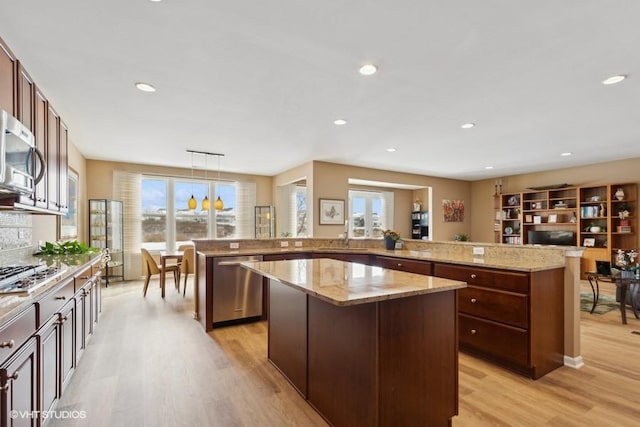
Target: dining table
point(164, 256)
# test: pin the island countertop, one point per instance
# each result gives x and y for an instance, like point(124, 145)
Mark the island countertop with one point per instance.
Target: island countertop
point(344, 283)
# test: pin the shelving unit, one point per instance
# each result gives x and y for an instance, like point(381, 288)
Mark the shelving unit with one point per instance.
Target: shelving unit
point(106, 233)
point(497, 219)
point(420, 225)
point(265, 221)
point(511, 221)
point(550, 210)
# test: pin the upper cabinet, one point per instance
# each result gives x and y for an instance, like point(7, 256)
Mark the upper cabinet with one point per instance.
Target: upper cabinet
point(8, 70)
point(20, 96)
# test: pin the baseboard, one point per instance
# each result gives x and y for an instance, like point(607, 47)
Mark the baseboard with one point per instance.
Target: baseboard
point(573, 362)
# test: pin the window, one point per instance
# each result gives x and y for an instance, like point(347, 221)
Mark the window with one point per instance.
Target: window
point(294, 219)
point(370, 212)
point(166, 217)
point(301, 211)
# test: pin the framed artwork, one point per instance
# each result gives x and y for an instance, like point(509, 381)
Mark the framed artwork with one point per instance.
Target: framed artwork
point(553, 218)
point(453, 210)
point(68, 224)
point(331, 212)
point(589, 242)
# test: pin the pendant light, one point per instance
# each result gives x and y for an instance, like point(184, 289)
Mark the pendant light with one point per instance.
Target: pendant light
point(192, 203)
point(205, 202)
point(219, 205)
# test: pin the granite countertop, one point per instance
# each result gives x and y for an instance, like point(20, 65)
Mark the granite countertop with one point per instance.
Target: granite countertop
point(69, 265)
point(344, 283)
point(527, 264)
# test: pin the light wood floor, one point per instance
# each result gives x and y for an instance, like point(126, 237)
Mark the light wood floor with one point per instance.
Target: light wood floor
point(150, 364)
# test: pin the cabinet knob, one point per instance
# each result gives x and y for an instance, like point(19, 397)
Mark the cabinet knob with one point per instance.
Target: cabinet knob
point(399, 264)
point(473, 300)
point(473, 275)
point(7, 344)
point(14, 376)
point(473, 332)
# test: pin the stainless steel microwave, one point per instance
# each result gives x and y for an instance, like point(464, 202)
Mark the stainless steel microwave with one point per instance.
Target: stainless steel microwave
point(19, 158)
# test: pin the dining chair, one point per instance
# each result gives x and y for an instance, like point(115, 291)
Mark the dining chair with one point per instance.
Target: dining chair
point(187, 265)
point(151, 268)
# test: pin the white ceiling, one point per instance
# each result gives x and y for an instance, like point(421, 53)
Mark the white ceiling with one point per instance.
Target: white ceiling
point(263, 81)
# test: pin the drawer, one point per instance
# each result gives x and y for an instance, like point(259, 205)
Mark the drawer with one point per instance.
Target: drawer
point(53, 301)
point(494, 339)
point(500, 306)
point(410, 266)
point(81, 278)
point(509, 281)
point(16, 331)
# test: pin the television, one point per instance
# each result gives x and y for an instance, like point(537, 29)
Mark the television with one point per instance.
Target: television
point(555, 237)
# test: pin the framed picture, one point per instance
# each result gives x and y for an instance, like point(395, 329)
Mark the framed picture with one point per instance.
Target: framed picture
point(528, 218)
point(537, 219)
point(331, 212)
point(589, 242)
point(553, 218)
point(68, 224)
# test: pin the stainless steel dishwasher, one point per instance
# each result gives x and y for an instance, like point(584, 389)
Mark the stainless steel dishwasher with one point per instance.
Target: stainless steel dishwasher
point(237, 292)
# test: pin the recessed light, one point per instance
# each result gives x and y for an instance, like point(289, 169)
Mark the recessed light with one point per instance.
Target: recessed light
point(614, 79)
point(340, 122)
point(368, 69)
point(566, 154)
point(468, 125)
point(145, 87)
point(391, 150)
point(488, 167)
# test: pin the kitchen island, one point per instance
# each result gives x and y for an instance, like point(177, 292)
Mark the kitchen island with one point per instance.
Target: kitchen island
point(363, 344)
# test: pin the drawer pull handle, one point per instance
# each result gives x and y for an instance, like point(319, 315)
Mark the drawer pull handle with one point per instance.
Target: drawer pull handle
point(473, 332)
point(84, 277)
point(473, 300)
point(473, 275)
point(61, 298)
point(7, 344)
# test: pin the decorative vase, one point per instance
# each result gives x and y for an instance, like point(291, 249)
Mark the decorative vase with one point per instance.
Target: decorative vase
point(389, 243)
point(594, 229)
point(619, 194)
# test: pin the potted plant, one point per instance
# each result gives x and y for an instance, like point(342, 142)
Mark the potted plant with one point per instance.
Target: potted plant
point(624, 214)
point(391, 237)
point(461, 238)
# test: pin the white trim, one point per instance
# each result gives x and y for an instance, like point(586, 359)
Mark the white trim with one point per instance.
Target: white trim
point(573, 362)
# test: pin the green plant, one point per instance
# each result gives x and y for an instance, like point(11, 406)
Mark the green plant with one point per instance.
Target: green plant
point(70, 247)
point(393, 234)
point(461, 238)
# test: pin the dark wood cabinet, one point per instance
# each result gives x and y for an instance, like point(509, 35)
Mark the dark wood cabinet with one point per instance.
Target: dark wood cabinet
point(403, 264)
point(8, 71)
point(511, 318)
point(68, 324)
point(40, 133)
point(49, 349)
point(19, 386)
point(52, 155)
point(63, 165)
point(361, 258)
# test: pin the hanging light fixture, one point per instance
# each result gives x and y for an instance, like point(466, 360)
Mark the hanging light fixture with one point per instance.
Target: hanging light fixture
point(192, 203)
point(205, 202)
point(219, 203)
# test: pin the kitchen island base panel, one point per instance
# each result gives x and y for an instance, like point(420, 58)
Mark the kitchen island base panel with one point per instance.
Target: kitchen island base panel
point(392, 362)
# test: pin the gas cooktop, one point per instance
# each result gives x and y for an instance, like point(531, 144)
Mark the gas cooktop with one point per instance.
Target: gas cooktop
point(16, 279)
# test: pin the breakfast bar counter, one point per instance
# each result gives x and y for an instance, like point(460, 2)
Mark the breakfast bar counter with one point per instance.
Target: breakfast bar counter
point(363, 344)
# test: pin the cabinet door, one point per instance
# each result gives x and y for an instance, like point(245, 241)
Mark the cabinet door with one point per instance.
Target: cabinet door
point(402, 264)
point(25, 113)
point(40, 133)
point(19, 384)
point(8, 69)
point(63, 163)
point(52, 155)
point(49, 347)
point(67, 318)
point(81, 322)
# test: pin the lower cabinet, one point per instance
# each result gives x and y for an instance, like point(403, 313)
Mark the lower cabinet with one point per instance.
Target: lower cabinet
point(514, 319)
point(403, 264)
point(19, 386)
point(49, 348)
point(68, 324)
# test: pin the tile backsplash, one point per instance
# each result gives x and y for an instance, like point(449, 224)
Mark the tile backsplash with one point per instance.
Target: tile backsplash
point(16, 232)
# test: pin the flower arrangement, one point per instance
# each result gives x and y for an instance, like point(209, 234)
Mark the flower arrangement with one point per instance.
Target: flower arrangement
point(627, 261)
point(392, 234)
point(623, 214)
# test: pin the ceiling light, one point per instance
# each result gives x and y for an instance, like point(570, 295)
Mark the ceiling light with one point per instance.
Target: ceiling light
point(339, 122)
point(566, 154)
point(368, 69)
point(391, 150)
point(145, 87)
point(614, 79)
point(468, 125)
point(488, 167)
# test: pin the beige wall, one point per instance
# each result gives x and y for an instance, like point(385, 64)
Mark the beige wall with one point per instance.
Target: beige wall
point(331, 181)
point(622, 171)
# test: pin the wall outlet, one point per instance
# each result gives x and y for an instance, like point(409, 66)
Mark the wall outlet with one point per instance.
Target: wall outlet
point(297, 244)
point(478, 251)
point(284, 244)
point(234, 245)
